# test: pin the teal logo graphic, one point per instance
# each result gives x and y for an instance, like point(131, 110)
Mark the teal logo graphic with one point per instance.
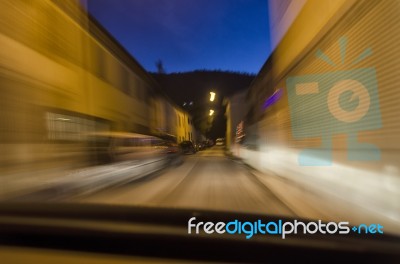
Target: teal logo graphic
point(322, 105)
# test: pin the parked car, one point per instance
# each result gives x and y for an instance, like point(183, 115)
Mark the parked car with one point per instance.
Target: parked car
point(173, 151)
point(188, 147)
point(220, 142)
point(171, 147)
point(200, 146)
point(110, 147)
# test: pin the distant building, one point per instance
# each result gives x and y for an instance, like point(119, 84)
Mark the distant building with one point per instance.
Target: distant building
point(184, 126)
point(236, 108)
point(171, 121)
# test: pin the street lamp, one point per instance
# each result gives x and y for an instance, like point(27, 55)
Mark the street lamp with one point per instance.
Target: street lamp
point(212, 96)
point(211, 112)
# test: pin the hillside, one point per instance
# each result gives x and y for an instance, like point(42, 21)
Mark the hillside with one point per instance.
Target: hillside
point(191, 91)
point(196, 85)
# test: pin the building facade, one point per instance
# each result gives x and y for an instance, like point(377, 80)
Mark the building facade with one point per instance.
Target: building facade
point(304, 130)
point(63, 76)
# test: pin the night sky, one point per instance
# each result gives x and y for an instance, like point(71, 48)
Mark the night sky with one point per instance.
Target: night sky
point(189, 34)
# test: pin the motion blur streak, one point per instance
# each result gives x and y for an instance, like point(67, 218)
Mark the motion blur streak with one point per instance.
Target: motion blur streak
point(62, 78)
point(356, 160)
point(78, 114)
point(207, 181)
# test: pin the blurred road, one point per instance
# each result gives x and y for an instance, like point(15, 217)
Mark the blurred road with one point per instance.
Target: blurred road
point(212, 181)
point(206, 180)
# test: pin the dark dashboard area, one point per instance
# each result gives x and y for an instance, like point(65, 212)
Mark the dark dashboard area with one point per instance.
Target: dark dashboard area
point(162, 233)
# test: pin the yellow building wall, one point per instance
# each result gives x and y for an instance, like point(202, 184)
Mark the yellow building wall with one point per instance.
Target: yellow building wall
point(311, 22)
point(365, 25)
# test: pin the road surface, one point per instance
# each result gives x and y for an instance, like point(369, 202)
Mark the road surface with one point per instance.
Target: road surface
point(212, 181)
point(206, 180)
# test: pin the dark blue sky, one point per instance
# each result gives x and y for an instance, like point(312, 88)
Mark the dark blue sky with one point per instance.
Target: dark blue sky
point(189, 34)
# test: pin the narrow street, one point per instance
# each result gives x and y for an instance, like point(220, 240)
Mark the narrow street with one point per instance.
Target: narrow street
point(206, 180)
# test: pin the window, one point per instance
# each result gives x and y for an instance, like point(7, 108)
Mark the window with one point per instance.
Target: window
point(70, 127)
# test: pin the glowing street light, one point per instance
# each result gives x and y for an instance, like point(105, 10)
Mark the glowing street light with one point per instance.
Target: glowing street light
point(211, 112)
point(212, 96)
